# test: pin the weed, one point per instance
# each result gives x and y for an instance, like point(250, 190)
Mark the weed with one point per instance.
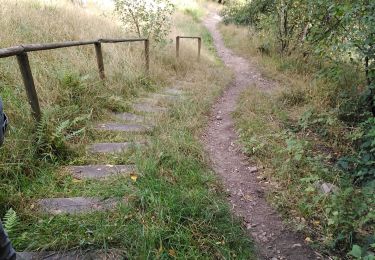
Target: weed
point(175, 207)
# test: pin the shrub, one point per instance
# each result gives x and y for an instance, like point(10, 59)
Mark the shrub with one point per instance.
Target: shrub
point(150, 19)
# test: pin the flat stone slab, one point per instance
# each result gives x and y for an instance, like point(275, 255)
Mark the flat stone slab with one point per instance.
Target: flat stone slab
point(148, 108)
point(167, 97)
point(174, 91)
point(75, 205)
point(70, 255)
point(100, 171)
point(122, 127)
point(130, 117)
point(110, 147)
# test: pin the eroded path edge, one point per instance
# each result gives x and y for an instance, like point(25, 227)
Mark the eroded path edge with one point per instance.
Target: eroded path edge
point(246, 195)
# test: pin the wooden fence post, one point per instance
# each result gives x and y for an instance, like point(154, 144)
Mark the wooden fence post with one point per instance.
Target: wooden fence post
point(99, 59)
point(199, 47)
point(147, 55)
point(177, 47)
point(28, 81)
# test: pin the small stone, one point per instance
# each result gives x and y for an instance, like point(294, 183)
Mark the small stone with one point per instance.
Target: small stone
point(253, 169)
point(325, 187)
point(218, 117)
point(296, 245)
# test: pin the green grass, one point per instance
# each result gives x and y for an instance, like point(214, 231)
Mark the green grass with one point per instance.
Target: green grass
point(175, 209)
point(297, 133)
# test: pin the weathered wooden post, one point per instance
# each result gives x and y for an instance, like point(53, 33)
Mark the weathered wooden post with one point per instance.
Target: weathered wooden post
point(99, 59)
point(177, 47)
point(28, 81)
point(199, 47)
point(147, 54)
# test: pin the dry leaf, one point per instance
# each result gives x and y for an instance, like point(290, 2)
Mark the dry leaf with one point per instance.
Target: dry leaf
point(134, 177)
point(171, 252)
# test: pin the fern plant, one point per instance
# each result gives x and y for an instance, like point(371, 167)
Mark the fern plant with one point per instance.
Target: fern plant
point(56, 127)
point(10, 221)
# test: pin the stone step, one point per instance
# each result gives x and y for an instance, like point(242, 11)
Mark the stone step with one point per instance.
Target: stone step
point(131, 117)
point(133, 128)
point(166, 97)
point(149, 100)
point(100, 171)
point(174, 91)
point(111, 147)
point(148, 108)
point(71, 255)
point(75, 205)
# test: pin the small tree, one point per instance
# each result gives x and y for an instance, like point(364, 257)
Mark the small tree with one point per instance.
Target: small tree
point(148, 18)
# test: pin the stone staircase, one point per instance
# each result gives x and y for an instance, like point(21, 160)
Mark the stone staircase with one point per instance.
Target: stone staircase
point(139, 122)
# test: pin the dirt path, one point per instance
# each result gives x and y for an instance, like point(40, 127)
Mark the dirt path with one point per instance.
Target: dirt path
point(246, 194)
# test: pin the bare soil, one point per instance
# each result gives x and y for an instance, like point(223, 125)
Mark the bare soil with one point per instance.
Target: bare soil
point(246, 194)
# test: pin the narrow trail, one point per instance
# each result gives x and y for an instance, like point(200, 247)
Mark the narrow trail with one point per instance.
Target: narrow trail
point(246, 195)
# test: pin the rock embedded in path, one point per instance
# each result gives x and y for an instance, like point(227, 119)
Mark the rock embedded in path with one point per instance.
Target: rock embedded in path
point(111, 147)
point(325, 187)
point(130, 117)
point(167, 97)
point(174, 91)
point(75, 205)
point(122, 127)
point(148, 108)
point(100, 171)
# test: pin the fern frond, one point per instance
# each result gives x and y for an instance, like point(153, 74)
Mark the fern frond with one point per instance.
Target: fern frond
point(10, 221)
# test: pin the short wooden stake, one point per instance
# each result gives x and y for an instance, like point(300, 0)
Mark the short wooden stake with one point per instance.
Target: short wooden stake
point(147, 55)
point(99, 59)
point(28, 81)
point(199, 48)
point(177, 47)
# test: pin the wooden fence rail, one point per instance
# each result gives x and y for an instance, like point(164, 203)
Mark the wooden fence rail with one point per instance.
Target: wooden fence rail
point(24, 65)
point(188, 37)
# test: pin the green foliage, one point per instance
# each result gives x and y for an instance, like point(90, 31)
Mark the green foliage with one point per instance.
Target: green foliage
point(246, 13)
point(195, 13)
point(361, 165)
point(300, 155)
point(10, 221)
point(56, 128)
point(336, 32)
point(149, 19)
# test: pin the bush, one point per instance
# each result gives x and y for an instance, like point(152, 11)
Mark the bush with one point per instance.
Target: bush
point(149, 19)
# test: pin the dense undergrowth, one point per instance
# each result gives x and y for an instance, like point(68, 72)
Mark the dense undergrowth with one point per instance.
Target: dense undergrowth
point(174, 207)
point(316, 128)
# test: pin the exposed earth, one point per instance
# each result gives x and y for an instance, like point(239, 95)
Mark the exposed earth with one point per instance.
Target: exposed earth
point(245, 193)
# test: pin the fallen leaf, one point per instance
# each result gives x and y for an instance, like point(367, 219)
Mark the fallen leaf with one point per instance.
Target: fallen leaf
point(171, 252)
point(77, 180)
point(134, 177)
point(316, 223)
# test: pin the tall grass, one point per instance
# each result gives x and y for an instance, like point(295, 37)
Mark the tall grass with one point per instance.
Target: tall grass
point(299, 132)
point(175, 208)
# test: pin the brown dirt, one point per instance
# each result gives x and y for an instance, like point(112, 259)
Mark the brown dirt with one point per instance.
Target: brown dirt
point(272, 238)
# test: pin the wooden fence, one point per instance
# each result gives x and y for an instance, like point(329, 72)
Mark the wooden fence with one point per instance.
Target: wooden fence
point(188, 37)
point(23, 61)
